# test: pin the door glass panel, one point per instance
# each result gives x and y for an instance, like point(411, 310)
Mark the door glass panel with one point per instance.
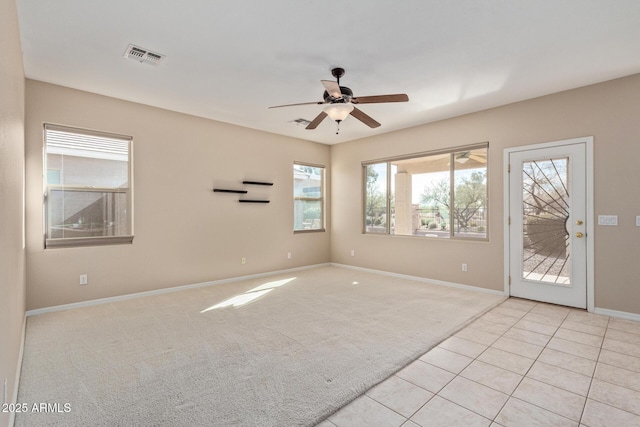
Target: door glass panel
point(545, 209)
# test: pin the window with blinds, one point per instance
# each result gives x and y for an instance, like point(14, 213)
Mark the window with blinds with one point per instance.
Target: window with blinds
point(88, 197)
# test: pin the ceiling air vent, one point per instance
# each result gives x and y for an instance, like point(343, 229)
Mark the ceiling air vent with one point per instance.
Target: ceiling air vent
point(143, 55)
point(301, 121)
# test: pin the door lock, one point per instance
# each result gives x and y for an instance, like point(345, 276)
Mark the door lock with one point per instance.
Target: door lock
point(579, 235)
point(579, 222)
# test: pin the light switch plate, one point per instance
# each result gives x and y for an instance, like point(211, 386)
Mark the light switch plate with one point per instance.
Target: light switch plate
point(607, 219)
point(638, 221)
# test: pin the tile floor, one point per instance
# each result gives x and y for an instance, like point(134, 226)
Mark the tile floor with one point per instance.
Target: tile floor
point(521, 364)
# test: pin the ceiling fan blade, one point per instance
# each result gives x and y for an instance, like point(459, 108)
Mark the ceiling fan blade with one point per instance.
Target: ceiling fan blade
point(400, 97)
point(364, 118)
point(314, 124)
point(333, 88)
point(479, 159)
point(303, 103)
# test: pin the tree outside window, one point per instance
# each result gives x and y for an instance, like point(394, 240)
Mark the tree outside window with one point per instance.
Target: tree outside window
point(434, 195)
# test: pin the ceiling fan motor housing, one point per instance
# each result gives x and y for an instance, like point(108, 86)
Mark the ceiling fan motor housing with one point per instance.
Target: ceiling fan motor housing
point(347, 94)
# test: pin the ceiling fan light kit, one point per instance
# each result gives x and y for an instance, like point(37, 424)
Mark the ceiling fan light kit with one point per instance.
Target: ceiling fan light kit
point(338, 112)
point(340, 103)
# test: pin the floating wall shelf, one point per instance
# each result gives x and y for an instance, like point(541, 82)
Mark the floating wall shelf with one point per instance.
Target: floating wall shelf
point(225, 190)
point(257, 183)
point(221, 190)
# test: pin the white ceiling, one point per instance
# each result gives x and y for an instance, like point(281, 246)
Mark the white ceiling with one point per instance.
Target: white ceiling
point(229, 60)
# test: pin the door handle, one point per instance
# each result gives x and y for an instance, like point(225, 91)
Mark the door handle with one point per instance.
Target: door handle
point(579, 222)
point(579, 235)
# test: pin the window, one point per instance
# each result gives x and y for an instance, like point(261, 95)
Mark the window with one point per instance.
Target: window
point(88, 187)
point(440, 194)
point(308, 198)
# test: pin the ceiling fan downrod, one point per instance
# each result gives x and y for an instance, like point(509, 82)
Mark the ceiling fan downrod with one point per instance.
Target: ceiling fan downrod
point(337, 73)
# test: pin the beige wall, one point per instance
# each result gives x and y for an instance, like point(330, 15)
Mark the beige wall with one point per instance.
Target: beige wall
point(12, 255)
point(610, 112)
point(184, 233)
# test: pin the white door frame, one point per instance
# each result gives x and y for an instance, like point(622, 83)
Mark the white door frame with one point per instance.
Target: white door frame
point(589, 219)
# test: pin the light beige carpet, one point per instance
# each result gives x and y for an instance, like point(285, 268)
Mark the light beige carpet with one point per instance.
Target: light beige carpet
point(284, 350)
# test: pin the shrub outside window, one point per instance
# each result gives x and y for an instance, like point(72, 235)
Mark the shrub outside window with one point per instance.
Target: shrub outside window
point(87, 187)
point(440, 194)
point(308, 197)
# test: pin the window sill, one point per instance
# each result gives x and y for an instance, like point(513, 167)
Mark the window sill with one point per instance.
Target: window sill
point(87, 241)
point(317, 230)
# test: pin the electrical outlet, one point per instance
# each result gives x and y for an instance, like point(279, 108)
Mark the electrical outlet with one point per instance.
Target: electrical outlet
point(84, 279)
point(289, 255)
point(353, 252)
point(243, 260)
point(464, 267)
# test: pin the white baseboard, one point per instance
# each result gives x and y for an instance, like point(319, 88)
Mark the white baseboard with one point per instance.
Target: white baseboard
point(16, 383)
point(166, 290)
point(616, 313)
point(422, 279)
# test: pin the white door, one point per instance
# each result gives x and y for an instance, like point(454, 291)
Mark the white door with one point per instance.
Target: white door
point(547, 240)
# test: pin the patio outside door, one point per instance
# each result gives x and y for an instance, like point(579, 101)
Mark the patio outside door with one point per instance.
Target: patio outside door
point(548, 223)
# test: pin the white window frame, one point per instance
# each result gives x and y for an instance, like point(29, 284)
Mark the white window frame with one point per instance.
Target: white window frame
point(321, 199)
point(95, 240)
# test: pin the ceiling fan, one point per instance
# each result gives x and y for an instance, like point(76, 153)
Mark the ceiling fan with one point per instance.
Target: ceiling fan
point(465, 156)
point(341, 102)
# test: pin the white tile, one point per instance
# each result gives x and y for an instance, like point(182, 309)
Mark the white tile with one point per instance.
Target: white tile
point(568, 361)
point(620, 360)
point(577, 349)
point(621, 347)
point(326, 423)
point(544, 319)
point(445, 359)
point(551, 398)
point(527, 336)
point(623, 336)
point(517, 413)
point(443, 413)
point(579, 337)
point(618, 376)
point(561, 378)
point(491, 327)
point(551, 310)
point(625, 325)
point(518, 347)
point(400, 395)
point(584, 328)
point(463, 346)
point(477, 335)
point(503, 359)
point(500, 318)
point(366, 412)
point(519, 304)
point(598, 414)
point(510, 312)
point(492, 376)
point(588, 318)
point(410, 423)
point(427, 376)
point(475, 397)
point(536, 327)
point(614, 395)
